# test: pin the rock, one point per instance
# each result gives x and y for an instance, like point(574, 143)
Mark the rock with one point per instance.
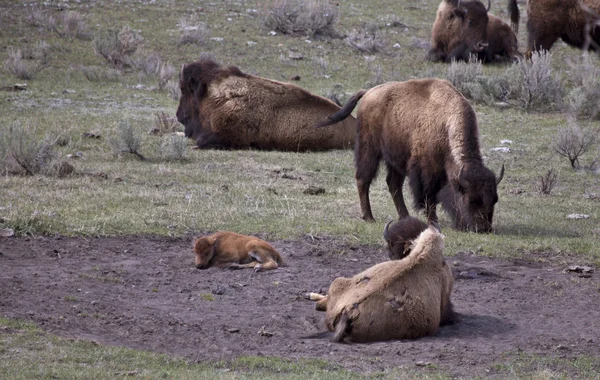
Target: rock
point(501, 149)
point(397, 45)
point(218, 290)
point(264, 332)
point(295, 56)
point(272, 33)
point(578, 216)
point(506, 142)
point(7, 232)
point(233, 330)
point(314, 190)
point(422, 363)
point(584, 269)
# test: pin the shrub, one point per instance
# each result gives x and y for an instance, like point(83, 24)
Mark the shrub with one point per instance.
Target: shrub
point(74, 26)
point(126, 140)
point(547, 182)
point(118, 47)
point(152, 65)
point(463, 74)
point(301, 18)
point(174, 147)
point(23, 151)
point(99, 74)
point(193, 31)
point(532, 82)
point(583, 101)
point(17, 66)
point(367, 39)
point(164, 123)
point(571, 142)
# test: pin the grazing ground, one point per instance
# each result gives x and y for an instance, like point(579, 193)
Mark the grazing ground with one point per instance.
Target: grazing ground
point(144, 293)
point(102, 254)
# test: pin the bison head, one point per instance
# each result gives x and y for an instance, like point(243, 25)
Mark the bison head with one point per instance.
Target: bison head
point(471, 198)
point(460, 29)
point(400, 235)
point(204, 250)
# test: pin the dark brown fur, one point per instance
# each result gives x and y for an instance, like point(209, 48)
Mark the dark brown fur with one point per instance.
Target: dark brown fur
point(502, 41)
point(401, 234)
point(459, 30)
point(221, 107)
point(427, 130)
point(576, 22)
point(235, 250)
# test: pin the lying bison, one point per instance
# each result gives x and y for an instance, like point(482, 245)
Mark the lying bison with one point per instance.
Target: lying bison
point(236, 251)
point(427, 130)
point(577, 22)
point(401, 234)
point(221, 107)
point(466, 28)
point(399, 299)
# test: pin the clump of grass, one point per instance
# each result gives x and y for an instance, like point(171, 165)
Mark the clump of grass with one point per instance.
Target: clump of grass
point(301, 18)
point(583, 101)
point(164, 123)
point(571, 142)
point(100, 74)
point(174, 148)
point(42, 20)
point(23, 151)
point(118, 47)
point(193, 31)
point(73, 25)
point(152, 65)
point(18, 67)
point(462, 75)
point(173, 89)
point(547, 182)
point(127, 139)
point(533, 83)
point(367, 39)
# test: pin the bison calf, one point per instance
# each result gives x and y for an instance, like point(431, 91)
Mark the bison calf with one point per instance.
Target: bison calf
point(401, 234)
point(399, 299)
point(239, 251)
point(222, 107)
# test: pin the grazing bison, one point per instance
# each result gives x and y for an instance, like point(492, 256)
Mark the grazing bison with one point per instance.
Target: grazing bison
point(459, 30)
point(221, 107)
point(398, 299)
point(400, 235)
point(427, 130)
point(577, 22)
point(239, 251)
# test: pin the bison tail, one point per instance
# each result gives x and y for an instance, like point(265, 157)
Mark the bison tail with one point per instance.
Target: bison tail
point(344, 112)
point(513, 11)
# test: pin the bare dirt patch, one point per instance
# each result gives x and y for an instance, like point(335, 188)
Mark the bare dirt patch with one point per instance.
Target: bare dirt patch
point(144, 292)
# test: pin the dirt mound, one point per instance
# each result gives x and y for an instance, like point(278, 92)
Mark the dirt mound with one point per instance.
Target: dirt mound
point(145, 293)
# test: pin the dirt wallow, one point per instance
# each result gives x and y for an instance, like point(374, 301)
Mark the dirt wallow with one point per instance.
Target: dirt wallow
point(145, 293)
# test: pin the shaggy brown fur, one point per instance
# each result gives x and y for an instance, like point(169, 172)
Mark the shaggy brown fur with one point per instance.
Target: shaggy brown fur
point(427, 130)
point(459, 30)
point(502, 41)
point(401, 234)
point(398, 299)
point(577, 22)
point(221, 107)
point(239, 251)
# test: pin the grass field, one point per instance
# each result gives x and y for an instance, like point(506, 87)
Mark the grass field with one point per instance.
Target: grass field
point(251, 191)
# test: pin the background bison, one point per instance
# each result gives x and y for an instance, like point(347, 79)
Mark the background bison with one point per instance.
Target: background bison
point(221, 107)
point(574, 21)
point(427, 130)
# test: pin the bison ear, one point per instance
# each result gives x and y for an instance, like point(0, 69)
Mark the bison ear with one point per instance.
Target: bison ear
point(458, 13)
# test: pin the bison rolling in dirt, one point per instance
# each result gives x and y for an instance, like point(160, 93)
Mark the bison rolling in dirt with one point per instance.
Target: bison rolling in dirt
point(577, 22)
point(427, 130)
point(222, 107)
point(398, 299)
point(465, 28)
point(235, 250)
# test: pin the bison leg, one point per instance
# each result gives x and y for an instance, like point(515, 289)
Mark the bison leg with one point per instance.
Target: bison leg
point(432, 218)
point(539, 39)
point(395, 181)
point(265, 260)
point(321, 300)
point(343, 327)
point(367, 163)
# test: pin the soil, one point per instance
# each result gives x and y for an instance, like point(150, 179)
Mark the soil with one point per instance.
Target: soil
point(145, 293)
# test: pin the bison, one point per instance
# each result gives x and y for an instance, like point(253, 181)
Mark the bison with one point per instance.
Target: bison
point(222, 107)
point(239, 251)
point(459, 30)
point(466, 28)
point(400, 235)
point(426, 129)
point(576, 22)
point(398, 299)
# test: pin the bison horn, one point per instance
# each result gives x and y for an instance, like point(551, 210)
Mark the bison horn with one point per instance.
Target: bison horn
point(461, 178)
point(489, 6)
point(181, 73)
point(386, 232)
point(500, 176)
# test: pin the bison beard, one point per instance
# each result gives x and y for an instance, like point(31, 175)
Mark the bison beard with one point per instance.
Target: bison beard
point(576, 22)
point(427, 130)
point(224, 108)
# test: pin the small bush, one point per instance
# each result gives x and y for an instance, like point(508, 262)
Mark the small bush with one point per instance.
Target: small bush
point(583, 101)
point(152, 65)
point(74, 26)
point(99, 74)
point(193, 31)
point(533, 84)
point(164, 123)
point(127, 139)
point(463, 74)
point(301, 18)
point(43, 20)
point(23, 151)
point(368, 39)
point(547, 182)
point(173, 148)
point(571, 142)
point(17, 66)
point(118, 47)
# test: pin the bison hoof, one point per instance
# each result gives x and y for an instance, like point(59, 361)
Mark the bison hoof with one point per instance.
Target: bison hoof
point(258, 268)
point(234, 266)
point(369, 219)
